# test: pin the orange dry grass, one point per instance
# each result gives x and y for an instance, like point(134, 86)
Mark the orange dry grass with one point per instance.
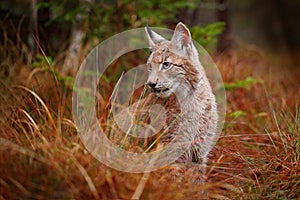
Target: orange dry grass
point(256, 157)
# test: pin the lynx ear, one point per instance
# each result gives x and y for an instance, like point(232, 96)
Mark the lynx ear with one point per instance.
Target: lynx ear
point(182, 36)
point(153, 37)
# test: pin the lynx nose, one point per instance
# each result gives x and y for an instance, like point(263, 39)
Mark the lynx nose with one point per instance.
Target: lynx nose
point(151, 85)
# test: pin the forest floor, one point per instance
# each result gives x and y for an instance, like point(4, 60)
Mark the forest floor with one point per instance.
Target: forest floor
point(256, 157)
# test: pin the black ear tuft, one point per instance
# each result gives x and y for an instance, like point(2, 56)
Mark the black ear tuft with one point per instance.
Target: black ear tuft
point(153, 37)
point(180, 20)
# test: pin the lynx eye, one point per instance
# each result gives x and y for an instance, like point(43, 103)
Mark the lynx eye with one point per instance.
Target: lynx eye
point(166, 65)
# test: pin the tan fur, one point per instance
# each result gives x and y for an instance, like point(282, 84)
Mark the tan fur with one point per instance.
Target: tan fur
point(194, 101)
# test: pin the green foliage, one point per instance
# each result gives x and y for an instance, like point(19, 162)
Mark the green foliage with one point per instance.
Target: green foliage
point(63, 11)
point(102, 19)
point(237, 114)
point(41, 62)
point(47, 64)
point(207, 35)
point(246, 83)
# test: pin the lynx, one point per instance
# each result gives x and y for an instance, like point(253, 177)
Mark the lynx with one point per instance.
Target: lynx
point(178, 82)
point(176, 73)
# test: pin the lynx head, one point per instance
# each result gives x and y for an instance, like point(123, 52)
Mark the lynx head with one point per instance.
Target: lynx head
point(173, 65)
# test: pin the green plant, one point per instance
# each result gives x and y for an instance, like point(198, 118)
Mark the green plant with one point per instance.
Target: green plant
point(246, 83)
point(47, 64)
point(207, 35)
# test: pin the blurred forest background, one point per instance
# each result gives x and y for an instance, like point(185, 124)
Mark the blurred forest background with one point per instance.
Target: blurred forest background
point(60, 28)
point(255, 44)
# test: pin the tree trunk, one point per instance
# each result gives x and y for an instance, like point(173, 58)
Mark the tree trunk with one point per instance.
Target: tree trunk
point(223, 16)
point(33, 37)
point(71, 63)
